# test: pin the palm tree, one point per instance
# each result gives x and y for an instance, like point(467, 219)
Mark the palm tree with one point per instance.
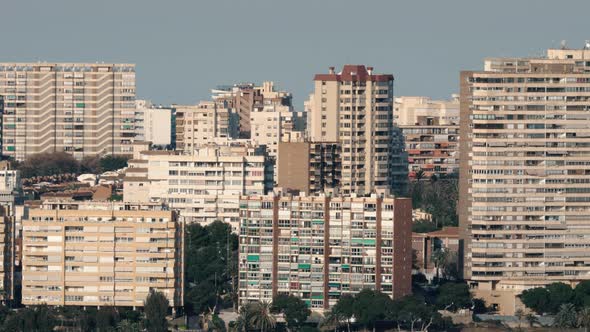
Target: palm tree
point(261, 318)
point(566, 317)
point(439, 258)
point(519, 313)
point(584, 318)
point(242, 324)
point(419, 175)
point(531, 319)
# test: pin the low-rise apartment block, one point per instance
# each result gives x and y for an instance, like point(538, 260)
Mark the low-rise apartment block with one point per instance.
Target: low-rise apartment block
point(202, 187)
point(101, 254)
point(430, 129)
point(319, 247)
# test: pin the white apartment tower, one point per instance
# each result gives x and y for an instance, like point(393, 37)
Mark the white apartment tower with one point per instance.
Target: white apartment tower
point(80, 108)
point(355, 108)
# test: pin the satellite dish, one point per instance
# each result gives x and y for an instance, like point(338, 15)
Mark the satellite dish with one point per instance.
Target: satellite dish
point(563, 44)
point(587, 45)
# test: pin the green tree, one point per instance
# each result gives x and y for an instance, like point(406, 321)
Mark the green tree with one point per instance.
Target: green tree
point(216, 324)
point(242, 323)
point(453, 296)
point(419, 175)
point(294, 310)
point(414, 313)
point(90, 164)
point(438, 198)
point(559, 293)
point(211, 266)
point(40, 318)
point(583, 318)
point(156, 309)
point(370, 306)
point(439, 258)
point(112, 163)
point(128, 326)
point(344, 309)
point(582, 294)
point(107, 319)
point(261, 317)
point(43, 164)
point(536, 299)
point(332, 321)
point(566, 316)
point(423, 226)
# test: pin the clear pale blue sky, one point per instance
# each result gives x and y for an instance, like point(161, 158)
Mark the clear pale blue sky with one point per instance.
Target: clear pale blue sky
point(184, 48)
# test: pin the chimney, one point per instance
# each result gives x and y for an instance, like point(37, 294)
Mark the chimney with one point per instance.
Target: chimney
point(370, 70)
point(331, 71)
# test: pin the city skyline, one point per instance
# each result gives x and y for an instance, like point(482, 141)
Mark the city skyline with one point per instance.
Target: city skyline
point(181, 55)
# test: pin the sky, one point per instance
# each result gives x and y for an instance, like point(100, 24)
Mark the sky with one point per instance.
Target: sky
point(184, 48)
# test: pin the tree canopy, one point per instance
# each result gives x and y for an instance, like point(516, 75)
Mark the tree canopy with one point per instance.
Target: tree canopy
point(438, 198)
point(156, 309)
point(47, 164)
point(211, 266)
point(294, 310)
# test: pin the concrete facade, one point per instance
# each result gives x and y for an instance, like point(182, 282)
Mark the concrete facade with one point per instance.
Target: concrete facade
point(318, 247)
point(524, 202)
point(308, 167)
point(202, 187)
point(80, 108)
point(101, 254)
point(355, 108)
point(431, 134)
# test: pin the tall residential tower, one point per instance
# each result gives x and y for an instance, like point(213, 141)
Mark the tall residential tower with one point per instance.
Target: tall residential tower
point(80, 108)
point(524, 204)
point(355, 108)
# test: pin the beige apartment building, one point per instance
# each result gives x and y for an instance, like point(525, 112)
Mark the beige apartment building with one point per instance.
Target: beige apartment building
point(320, 247)
point(269, 124)
point(244, 99)
point(201, 124)
point(309, 167)
point(430, 129)
point(355, 108)
point(101, 254)
point(524, 203)
point(153, 123)
point(80, 108)
point(202, 187)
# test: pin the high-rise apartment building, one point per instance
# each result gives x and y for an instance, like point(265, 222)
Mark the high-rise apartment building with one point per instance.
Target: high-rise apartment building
point(309, 167)
point(355, 108)
point(269, 124)
point(80, 108)
point(524, 202)
point(243, 99)
point(430, 129)
point(101, 254)
point(153, 124)
point(8, 241)
point(199, 125)
point(204, 186)
point(319, 247)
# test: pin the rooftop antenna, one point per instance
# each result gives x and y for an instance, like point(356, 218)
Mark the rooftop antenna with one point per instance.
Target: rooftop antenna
point(563, 44)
